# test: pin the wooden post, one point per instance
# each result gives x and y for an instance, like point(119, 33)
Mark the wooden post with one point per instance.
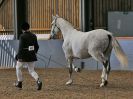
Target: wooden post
point(89, 15)
point(86, 15)
point(82, 15)
point(19, 16)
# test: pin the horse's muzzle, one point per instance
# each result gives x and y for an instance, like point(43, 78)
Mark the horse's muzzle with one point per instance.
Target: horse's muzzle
point(52, 37)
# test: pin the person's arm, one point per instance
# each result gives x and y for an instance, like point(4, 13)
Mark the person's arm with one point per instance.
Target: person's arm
point(36, 45)
point(21, 43)
point(20, 48)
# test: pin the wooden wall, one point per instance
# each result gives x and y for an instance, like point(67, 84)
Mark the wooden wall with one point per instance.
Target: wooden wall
point(6, 17)
point(39, 13)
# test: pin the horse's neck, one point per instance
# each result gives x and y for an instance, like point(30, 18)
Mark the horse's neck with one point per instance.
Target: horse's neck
point(65, 27)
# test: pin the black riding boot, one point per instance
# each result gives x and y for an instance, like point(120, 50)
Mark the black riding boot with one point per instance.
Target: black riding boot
point(39, 84)
point(18, 84)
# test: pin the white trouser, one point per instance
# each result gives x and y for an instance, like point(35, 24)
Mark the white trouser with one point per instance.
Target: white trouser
point(31, 66)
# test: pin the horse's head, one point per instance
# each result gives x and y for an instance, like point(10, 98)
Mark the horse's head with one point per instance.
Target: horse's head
point(55, 29)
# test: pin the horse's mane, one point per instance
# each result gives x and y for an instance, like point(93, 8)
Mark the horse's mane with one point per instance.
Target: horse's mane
point(67, 22)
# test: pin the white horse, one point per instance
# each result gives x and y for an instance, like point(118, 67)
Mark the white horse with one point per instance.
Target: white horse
point(97, 44)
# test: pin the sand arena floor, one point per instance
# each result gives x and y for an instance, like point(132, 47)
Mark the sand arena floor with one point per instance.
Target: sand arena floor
point(85, 86)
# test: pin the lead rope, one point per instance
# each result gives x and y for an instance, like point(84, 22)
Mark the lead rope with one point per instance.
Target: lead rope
point(47, 63)
point(49, 60)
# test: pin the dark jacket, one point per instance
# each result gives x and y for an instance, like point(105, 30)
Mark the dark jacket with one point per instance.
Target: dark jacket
point(28, 47)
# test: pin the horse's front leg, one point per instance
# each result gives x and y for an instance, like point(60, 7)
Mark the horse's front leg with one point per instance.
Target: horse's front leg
point(70, 81)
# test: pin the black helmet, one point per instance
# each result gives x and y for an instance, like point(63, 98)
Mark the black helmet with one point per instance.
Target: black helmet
point(25, 26)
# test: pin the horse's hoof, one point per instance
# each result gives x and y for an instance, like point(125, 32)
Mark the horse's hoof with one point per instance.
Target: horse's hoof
point(105, 83)
point(77, 69)
point(69, 82)
point(102, 85)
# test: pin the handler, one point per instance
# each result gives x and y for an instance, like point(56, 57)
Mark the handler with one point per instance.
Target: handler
point(28, 48)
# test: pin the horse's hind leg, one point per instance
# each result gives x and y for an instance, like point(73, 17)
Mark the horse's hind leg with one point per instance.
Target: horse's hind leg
point(105, 73)
point(106, 66)
point(106, 69)
point(70, 81)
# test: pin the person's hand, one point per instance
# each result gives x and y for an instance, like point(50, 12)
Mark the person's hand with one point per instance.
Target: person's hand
point(20, 60)
point(49, 37)
point(16, 57)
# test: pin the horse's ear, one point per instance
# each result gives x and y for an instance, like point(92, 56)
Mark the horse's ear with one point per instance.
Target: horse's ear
point(57, 15)
point(53, 17)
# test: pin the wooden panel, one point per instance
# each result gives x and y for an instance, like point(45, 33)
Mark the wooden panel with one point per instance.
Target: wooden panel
point(39, 13)
point(6, 16)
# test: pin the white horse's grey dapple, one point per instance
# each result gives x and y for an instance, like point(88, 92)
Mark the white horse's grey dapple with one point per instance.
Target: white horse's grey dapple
point(97, 44)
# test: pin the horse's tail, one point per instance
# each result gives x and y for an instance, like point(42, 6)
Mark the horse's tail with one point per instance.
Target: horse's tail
point(121, 56)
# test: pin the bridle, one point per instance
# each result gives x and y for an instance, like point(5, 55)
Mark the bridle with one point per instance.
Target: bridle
point(55, 25)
